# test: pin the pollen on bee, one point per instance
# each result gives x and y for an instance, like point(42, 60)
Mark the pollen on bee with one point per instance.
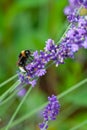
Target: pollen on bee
point(23, 53)
point(28, 77)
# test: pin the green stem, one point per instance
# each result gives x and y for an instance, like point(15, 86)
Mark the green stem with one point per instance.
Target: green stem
point(69, 26)
point(45, 125)
point(18, 108)
point(66, 113)
point(72, 89)
point(7, 81)
point(79, 126)
point(27, 115)
point(7, 99)
point(11, 96)
point(42, 106)
point(15, 85)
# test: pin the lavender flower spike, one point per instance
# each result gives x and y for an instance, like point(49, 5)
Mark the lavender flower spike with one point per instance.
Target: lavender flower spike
point(22, 92)
point(74, 39)
point(50, 112)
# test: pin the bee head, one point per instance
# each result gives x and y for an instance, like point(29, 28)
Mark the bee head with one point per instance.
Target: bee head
point(27, 53)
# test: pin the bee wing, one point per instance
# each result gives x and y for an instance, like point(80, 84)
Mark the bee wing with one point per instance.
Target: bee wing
point(19, 59)
point(22, 69)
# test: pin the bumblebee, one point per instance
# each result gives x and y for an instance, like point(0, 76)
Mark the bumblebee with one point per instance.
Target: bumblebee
point(24, 56)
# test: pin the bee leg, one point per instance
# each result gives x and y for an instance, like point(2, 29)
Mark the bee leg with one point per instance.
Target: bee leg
point(25, 69)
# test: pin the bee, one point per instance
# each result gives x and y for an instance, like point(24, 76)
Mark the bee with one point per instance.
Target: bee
point(24, 56)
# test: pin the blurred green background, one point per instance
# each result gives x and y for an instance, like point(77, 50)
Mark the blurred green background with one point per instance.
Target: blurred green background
point(27, 24)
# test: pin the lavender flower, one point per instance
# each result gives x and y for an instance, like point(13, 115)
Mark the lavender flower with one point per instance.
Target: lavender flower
point(74, 5)
point(74, 39)
point(83, 2)
point(22, 92)
point(71, 8)
point(50, 112)
point(43, 126)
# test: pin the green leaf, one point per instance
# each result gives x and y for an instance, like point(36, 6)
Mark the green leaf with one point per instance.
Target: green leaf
point(79, 97)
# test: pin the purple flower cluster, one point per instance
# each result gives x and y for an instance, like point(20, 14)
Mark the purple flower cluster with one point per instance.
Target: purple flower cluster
point(74, 39)
point(74, 5)
point(83, 2)
point(50, 112)
point(22, 92)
